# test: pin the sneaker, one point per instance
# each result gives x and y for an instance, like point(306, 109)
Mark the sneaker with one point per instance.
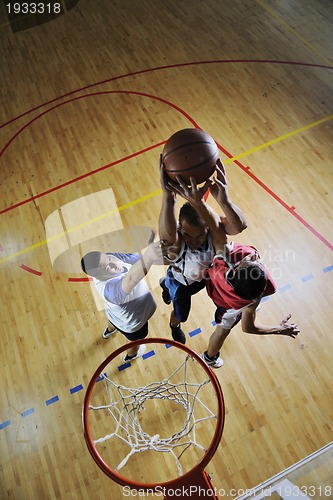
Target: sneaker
point(177, 334)
point(141, 351)
point(107, 334)
point(165, 293)
point(215, 362)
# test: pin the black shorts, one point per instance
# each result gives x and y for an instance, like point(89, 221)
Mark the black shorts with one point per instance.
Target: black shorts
point(139, 334)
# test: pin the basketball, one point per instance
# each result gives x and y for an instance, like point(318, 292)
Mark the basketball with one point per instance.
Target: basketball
point(190, 152)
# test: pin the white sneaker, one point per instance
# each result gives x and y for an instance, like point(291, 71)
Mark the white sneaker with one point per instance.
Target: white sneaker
point(141, 351)
point(107, 334)
point(216, 362)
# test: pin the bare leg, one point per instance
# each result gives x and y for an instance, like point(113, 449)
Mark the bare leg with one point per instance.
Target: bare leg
point(216, 340)
point(131, 351)
point(135, 351)
point(111, 327)
point(173, 320)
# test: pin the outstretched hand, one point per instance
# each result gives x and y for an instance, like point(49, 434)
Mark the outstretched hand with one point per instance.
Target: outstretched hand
point(219, 188)
point(193, 194)
point(157, 252)
point(289, 329)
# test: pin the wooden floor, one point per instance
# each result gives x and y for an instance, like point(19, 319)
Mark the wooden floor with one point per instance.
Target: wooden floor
point(87, 101)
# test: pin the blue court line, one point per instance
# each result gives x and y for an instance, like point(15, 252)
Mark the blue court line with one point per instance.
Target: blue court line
point(76, 389)
point(148, 354)
point(124, 366)
point(52, 400)
point(4, 424)
point(27, 412)
point(195, 332)
point(101, 377)
point(128, 364)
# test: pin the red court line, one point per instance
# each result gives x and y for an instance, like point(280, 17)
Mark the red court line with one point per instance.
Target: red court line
point(79, 280)
point(169, 66)
point(142, 94)
point(79, 178)
point(30, 270)
point(291, 210)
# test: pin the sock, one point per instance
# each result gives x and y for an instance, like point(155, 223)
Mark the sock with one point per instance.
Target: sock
point(128, 358)
point(209, 358)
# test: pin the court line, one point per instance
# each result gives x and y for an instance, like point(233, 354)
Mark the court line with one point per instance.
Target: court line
point(100, 169)
point(27, 412)
point(52, 400)
point(106, 92)
point(79, 226)
point(229, 155)
point(75, 389)
point(169, 66)
point(30, 270)
point(230, 159)
point(294, 32)
point(308, 277)
point(284, 289)
point(281, 138)
point(79, 280)
point(77, 179)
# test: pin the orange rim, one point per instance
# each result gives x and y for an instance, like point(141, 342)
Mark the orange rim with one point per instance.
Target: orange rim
point(200, 466)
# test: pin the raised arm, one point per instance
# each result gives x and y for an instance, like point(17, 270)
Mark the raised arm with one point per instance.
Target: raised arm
point(168, 218)
point(153, 255)
point(234, 221)
point(249, 324)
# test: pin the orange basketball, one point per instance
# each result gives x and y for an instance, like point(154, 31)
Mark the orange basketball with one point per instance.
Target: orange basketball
point(190, 153)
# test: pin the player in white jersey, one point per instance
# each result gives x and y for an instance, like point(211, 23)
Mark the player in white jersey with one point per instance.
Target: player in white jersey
point(129, 304)
point(188, 244)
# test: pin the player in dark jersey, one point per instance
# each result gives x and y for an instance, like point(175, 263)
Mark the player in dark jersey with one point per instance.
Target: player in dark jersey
point(189, 245)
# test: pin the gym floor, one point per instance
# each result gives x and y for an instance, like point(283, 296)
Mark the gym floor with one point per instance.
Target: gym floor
point(88, 98)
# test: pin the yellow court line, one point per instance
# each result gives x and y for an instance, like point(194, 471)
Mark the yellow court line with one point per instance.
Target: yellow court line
point(278, 139)
point(294, 32)
point(158, 191)
point(79, 226)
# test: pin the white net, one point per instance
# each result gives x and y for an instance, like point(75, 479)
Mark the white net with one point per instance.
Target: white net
point(126, 404)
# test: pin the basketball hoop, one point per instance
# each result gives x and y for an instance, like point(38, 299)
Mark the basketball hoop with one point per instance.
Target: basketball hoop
point(179, 403)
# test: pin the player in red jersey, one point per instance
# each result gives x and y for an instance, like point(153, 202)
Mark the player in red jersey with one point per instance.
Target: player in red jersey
point(236, 281)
